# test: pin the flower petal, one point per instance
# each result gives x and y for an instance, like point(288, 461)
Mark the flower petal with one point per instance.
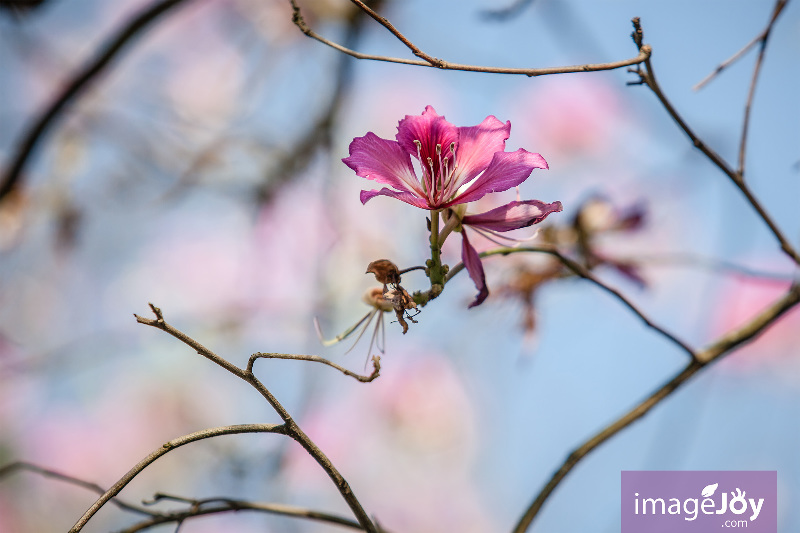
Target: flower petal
point(405, 196)
point(507, 169)
point(383, 161)
point(513, 215)
point(477, 145)
point(472, 261)
point(429, 129)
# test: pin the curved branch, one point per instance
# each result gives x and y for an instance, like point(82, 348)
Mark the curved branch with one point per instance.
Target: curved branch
point(723, 346)
point(433, 62)
point(209, 506)
point(81, 81)
point(376, 364)
point(166, 448)
point(648, 77)
point(94, 487)
point(291, 428)
point(584, 273)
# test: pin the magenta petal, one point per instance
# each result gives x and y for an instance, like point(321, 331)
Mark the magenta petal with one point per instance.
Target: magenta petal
point(513, 215)
point(472, 261)
point(383, 161)
point(507, 169)
point(429, 129)
point(477, 145)
point(405, 196)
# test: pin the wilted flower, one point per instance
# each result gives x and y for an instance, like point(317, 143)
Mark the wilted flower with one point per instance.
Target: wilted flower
point(374, 298)
point(458, 165)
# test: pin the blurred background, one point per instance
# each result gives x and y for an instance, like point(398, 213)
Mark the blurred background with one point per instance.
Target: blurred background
point(202, 172)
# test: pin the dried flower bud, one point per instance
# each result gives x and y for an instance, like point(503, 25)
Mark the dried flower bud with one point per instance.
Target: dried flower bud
point(374, 298)
point(385, 271)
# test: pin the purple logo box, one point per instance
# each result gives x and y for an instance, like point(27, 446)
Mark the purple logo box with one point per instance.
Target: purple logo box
point(699, 501)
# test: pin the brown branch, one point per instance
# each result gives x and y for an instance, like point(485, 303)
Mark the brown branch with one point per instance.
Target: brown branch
point(648, 77)
point(718, 349)
point(209, 506)
point(291, 428)
point(433, 62)
point(584, 273)
point(376, 364)
point(760, 37)
point(779, 5)
point(166, 448)
point(94, 487)
point(78, 84)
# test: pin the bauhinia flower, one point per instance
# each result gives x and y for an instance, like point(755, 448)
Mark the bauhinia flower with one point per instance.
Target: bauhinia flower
point(457, 165)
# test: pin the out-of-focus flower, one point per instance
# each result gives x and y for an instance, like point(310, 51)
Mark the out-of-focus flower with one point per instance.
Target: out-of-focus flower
point(458, 165)
point(525, 282)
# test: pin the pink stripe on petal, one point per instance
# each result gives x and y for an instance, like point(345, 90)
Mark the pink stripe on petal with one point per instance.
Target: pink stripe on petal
point(477, 145)
point(472, 261)
point(513, 215)
point(407, 197)
point(507, 169)
point(383, 161)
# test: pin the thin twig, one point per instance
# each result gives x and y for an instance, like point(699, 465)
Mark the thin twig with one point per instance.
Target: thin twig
point(209, 506)
point(376, 364)
point(94, 487)
point(166, 448)
point(648, 77)
point(444, 65)
point(760, 37)
point(584, 273)
point(724, 346)
point(503, 14)
point(779, 5)
point(291, 428)
point(78, 84)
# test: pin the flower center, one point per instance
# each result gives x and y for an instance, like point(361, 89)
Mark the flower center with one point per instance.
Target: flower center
point(439, 173)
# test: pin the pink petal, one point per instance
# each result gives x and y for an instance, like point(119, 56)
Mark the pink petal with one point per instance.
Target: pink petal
point(429, 129)
point(472, 262)
point(405, 196)
point(383, 161)
point(507, 169)
point(478, 144)
point(513, 215)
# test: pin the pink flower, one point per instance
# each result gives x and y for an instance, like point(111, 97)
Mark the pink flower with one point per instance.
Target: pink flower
point(458, 165)
point(450, 158)
point(513, 215)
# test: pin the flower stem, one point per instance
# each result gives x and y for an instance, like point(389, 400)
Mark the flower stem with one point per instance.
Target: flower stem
point(436, 271)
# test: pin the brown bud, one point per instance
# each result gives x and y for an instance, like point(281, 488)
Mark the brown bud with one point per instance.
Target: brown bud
point(385, 271)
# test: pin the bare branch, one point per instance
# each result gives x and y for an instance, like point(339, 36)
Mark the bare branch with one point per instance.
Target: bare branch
point(376, 364)
point(760, 37)
point(648, 77)
point(290, 426)
point(166, 448)
point(94, 487)
point(751, 92)
point(79, 83)
point(716, 350)
point(209, 506)
point(444, 65)
point(584, 273)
